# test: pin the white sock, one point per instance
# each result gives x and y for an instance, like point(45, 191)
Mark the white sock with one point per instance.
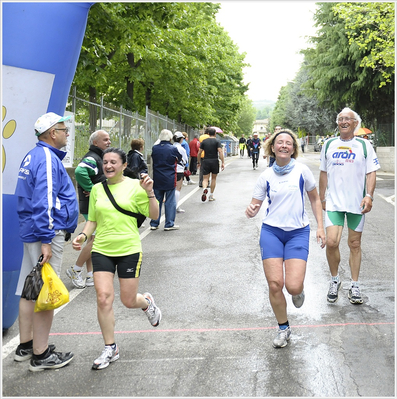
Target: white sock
point(354, 283)
point(89, 274)
point(335, 279)
point(77, 268)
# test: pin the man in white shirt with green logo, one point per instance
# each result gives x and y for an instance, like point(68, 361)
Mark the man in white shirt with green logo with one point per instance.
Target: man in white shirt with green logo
point(348, 166)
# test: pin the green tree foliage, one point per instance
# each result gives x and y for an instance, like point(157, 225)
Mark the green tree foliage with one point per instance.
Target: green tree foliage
point(338, 75)
point(371, 27)
point(172, 57)
point(246, 118)
point(265, 112)
point(279, 114)
point(301, 112)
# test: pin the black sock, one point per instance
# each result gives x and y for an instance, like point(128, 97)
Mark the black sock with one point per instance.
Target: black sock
point(113, 345)
point(43, 355)
point(283, 326)
point(27, 345)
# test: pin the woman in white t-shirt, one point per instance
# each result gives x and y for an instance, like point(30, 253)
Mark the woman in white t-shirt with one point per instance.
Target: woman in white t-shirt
point(285, 230)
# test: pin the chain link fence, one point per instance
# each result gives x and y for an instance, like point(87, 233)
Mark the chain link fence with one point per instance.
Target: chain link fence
point(121, 124)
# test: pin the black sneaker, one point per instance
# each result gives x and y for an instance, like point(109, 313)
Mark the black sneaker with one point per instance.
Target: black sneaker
point(55, 360)
point(25, 354)
point(333, 291)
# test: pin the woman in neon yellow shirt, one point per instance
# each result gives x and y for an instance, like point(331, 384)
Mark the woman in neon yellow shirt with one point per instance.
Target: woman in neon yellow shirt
point(117, 246)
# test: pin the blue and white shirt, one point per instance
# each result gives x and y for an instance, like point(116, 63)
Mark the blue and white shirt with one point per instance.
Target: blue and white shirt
point(47, 199)
point(285, 195)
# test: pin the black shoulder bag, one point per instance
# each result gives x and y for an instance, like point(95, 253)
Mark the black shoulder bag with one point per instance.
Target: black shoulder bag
point(33, 283)
point(139, 217)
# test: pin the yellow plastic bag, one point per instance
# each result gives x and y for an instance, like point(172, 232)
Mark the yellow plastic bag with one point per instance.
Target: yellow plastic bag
point(53, 294)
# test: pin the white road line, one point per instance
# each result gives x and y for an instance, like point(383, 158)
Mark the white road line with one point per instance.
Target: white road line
point(390, 200)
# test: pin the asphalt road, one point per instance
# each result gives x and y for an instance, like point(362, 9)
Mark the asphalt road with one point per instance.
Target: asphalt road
point(215, 338)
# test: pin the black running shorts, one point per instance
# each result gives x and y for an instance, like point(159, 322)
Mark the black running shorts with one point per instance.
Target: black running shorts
point(128, 266)
point(210, 166)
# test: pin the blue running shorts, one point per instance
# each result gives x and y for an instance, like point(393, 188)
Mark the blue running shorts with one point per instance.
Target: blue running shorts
point(277, 243)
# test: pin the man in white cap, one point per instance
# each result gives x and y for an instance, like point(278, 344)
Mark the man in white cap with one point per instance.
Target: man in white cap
point(48, 211)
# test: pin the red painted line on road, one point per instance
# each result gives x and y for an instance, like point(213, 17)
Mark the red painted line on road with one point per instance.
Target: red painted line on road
point(199, 330)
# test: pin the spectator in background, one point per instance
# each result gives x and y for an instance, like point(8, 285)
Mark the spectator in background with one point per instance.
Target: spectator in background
point(194, 146)
point(303, 143)
point(186, 172)
point(47, 209)
point(135, 161)
point(180, 168)
point(165, 158)
point(88, 172)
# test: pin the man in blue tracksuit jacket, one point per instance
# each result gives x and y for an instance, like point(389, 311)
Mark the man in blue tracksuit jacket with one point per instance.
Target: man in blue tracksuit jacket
point(47, 210)
point(165, 157)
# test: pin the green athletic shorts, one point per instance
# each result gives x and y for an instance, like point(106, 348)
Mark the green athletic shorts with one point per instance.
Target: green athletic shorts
point(354, 222)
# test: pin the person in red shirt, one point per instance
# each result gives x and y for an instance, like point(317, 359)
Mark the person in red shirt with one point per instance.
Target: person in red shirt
point(194, 146)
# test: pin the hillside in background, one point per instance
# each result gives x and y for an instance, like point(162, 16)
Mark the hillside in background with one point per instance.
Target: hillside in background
point(263, 103)
point(263, 108)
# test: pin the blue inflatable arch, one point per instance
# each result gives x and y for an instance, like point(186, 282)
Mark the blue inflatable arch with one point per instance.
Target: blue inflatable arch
point(41, 48)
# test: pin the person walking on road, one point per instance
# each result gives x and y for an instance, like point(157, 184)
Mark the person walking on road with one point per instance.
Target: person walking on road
point(348, 166)
point(285, 232)
point(248, 144)
point(202, 137)
point(48, 211)
point(180, 168)
point(255, 146)
point(194, 146)
point(242, 143)
point(187, 172)
point(88, 172)
point(165, 157)
point(117, 246)
point(213, 149)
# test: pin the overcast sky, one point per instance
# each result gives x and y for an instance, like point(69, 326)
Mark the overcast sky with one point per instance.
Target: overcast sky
point(271, 33)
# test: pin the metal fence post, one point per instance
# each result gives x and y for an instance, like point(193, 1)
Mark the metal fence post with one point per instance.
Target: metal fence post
point(120, 127)
point(101, 114)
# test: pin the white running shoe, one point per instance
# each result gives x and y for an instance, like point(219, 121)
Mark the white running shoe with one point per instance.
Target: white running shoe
point(282, 338)
point(153, 312)
point(298, 299)
point(76, 277)
point(108, 355)
point(89, 281)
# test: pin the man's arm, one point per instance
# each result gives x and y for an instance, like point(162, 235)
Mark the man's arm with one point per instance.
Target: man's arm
point(199, 156)
point(366, 203)
point(221, 156)
point(86, 169)
point(322, 186)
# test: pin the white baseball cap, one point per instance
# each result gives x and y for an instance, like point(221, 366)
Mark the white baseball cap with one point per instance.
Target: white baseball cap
point(178, 135)
point(48, 120)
